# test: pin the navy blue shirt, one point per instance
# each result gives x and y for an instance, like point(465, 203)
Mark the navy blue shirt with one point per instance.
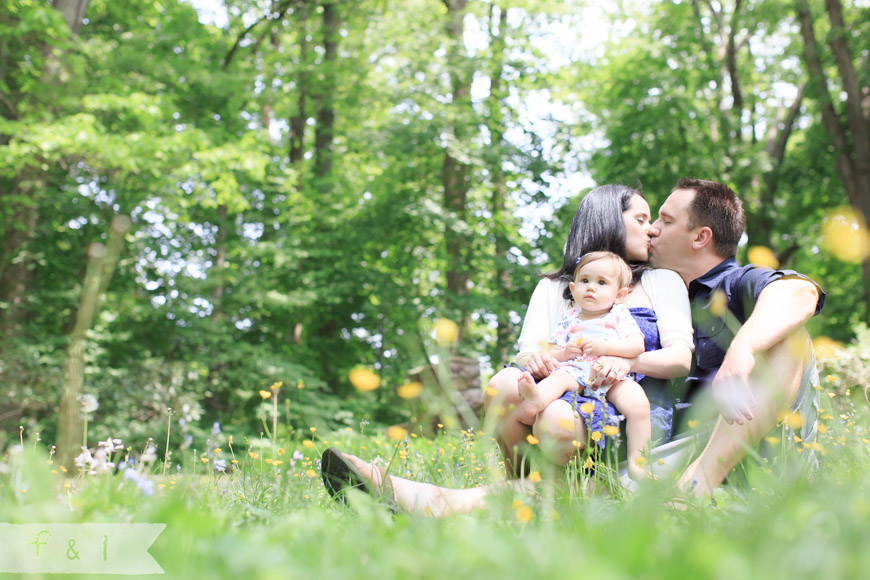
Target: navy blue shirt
point(722, 300)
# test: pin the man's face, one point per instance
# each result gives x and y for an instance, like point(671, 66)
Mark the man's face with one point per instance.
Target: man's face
point(670, 236)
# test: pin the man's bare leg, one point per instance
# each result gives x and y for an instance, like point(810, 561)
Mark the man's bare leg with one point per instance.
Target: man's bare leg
point(775, 382)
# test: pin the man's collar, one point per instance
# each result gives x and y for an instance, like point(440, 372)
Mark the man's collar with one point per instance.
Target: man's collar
point(712, 278)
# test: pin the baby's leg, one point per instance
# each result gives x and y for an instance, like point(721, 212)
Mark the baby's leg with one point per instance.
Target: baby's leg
point(536, 397)
point(630, 400)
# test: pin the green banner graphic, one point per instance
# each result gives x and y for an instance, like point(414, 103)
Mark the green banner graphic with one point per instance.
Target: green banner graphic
point(78, 548)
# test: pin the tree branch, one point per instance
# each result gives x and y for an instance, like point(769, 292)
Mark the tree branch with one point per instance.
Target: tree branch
point(731, 60)
point(278, 14)
point(859, 130)
point(829, 116)
point(779, 138)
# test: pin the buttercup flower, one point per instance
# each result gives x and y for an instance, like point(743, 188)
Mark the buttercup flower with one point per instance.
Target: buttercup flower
point(410, 390)
point(364, 379)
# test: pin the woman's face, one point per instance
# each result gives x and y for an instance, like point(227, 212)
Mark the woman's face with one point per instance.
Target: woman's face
point(637, 225)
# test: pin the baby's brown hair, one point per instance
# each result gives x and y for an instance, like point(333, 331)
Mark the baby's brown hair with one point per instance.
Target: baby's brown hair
point(623, 272)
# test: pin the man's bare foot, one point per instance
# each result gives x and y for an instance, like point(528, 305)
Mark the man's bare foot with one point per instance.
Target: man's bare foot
point(532, 403)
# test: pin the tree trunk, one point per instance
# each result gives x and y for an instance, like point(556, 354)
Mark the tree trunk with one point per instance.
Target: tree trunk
point(454, 172)
point(73, 12)
point(20, 209)
point(297, 121)
point(16, 270)
point(323, 134)
point(500, 217)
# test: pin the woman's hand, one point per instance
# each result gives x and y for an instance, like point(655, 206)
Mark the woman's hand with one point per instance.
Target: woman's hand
point(609, 370)
point(541, 364)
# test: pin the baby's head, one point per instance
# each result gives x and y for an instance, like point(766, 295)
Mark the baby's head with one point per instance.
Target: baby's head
point(600, 279)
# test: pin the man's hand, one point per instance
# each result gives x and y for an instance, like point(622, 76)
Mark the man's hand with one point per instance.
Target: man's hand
point(608, 370)
point(731, 385)
point(541, 364)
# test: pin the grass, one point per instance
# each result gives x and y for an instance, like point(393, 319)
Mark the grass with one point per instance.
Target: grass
point(268, 516)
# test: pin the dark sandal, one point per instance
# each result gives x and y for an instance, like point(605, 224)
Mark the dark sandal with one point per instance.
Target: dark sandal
point(339, 475)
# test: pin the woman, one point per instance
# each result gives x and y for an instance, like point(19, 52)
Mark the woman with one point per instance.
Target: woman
point(611, 218)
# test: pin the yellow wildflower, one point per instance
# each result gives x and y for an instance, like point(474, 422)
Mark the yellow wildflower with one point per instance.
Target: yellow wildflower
point(265, 394)
point(611, 430)
point(445, 331)
point(791, 420)
point(596, 436)
point(587, 408)
point(410, 390)
point(524, 514)
point(364, 379)
point(532, 439)
point(845, 235)
point(762, 256)
point(534, 477)
point(718, 303)
point(396, 433)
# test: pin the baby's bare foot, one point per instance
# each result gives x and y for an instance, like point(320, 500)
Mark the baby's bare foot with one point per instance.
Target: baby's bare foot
point(532, 403)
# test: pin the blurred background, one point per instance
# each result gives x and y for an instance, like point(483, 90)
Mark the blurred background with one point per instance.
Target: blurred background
point(316, 187)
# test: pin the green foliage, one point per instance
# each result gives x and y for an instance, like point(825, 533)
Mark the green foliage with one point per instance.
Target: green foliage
point(269, 515)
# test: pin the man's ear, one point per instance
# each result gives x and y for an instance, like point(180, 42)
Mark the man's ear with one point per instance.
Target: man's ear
point(703, 238)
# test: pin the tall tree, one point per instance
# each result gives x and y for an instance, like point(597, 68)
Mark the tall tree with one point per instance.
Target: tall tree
point(850, 131)
point(455, 171)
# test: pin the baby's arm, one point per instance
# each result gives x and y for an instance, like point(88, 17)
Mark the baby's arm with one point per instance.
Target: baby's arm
point(628, 347)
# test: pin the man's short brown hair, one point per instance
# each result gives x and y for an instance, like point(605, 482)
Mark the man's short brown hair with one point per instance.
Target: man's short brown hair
point(717, 207)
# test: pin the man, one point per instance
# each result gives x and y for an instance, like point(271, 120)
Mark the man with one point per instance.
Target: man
point(750, 345)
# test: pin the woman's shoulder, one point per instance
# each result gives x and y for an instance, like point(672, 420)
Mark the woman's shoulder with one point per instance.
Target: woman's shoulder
point(658, 281)
point(550, 285)
point(550, 290)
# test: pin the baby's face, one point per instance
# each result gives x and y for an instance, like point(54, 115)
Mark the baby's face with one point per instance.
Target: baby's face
point(596, 287)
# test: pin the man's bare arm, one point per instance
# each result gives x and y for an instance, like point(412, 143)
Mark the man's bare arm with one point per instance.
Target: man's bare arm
point(783, 307)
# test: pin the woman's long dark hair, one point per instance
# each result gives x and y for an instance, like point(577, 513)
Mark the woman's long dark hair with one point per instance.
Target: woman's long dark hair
point(598, 226)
